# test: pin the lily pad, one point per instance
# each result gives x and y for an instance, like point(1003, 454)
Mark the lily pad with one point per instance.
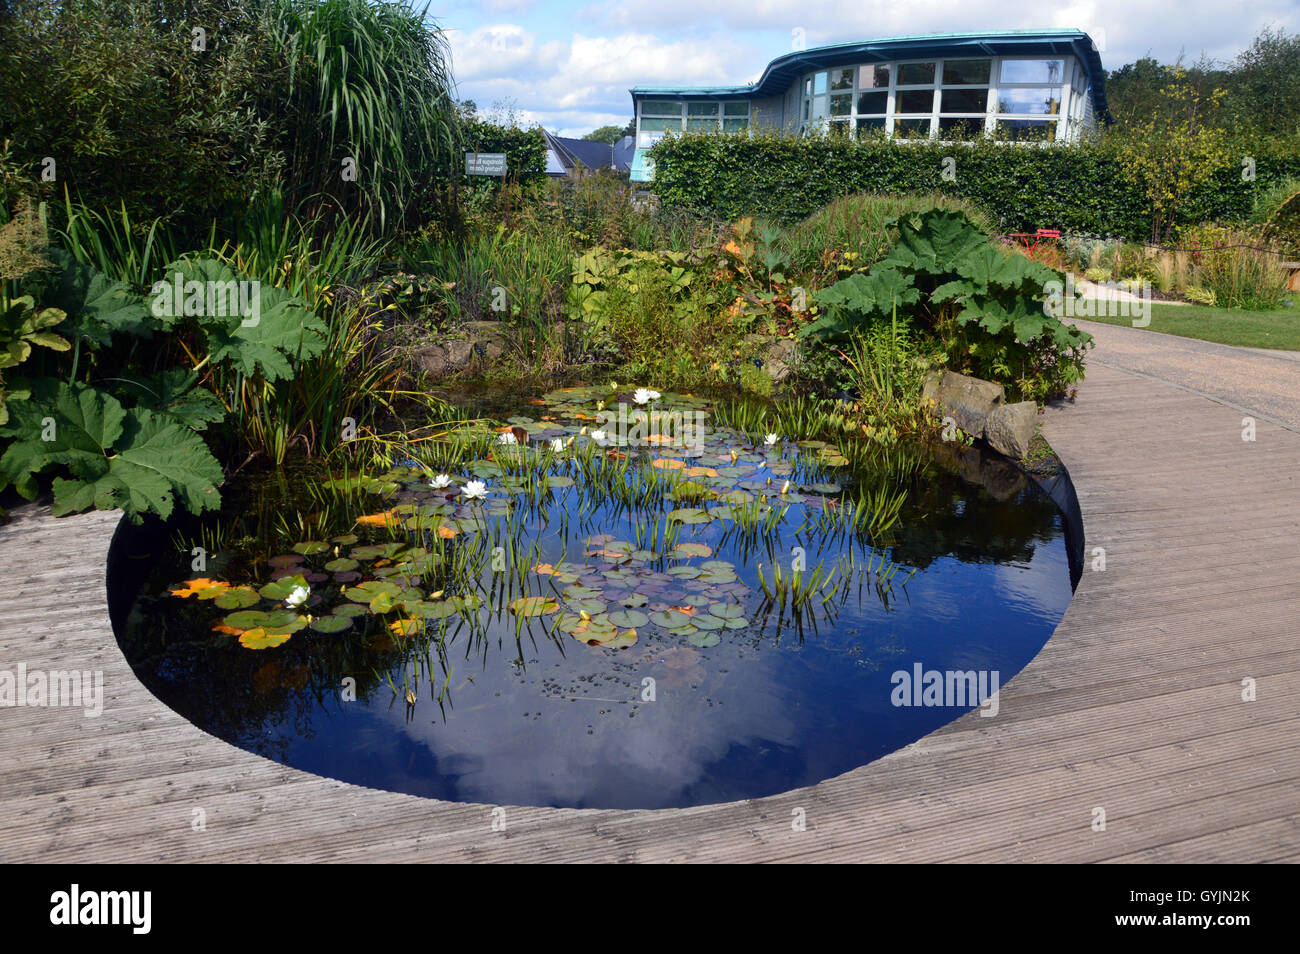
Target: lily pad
point(686, 550)
point(308, 547)
point(330, 624)
point(629, 618)
point(703, 640)
point(534, 606)
point(238, 597)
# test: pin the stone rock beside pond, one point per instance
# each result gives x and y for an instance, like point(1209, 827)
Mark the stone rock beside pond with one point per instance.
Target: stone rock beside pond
point(469, 345)
point(1010, 428)
point(968, 401)
point(780, 356)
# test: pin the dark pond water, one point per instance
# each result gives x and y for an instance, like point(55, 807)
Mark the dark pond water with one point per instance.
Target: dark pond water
point(725, 696)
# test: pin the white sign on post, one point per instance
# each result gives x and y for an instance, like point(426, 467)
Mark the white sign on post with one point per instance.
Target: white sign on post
point(485, 164)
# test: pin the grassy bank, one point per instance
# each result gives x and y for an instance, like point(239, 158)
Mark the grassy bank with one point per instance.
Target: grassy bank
point(1249, 329)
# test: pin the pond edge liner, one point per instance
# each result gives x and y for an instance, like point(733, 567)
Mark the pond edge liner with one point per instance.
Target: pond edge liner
point(1060, 487)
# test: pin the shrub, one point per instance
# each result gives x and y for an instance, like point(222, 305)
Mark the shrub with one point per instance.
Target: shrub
point(1072, 187)
point(857, 231)
point(1238, 266)
point(985, 305)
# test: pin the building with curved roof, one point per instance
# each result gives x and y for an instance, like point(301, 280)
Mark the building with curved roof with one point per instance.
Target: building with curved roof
point(1012, 86)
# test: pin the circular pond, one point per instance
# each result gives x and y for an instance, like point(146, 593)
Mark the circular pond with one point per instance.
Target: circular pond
point(621, 601)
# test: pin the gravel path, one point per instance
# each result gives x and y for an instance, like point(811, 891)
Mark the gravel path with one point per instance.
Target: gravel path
point(1259, 382)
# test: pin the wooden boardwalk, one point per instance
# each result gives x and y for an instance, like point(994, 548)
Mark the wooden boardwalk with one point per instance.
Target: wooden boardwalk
point(1133, 707)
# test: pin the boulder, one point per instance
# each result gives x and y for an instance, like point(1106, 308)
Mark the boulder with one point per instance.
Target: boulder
point(1010, 428)
point(969, 401)
point(476, 342)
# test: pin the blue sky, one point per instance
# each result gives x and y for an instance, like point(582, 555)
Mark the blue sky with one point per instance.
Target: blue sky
point(568, 64)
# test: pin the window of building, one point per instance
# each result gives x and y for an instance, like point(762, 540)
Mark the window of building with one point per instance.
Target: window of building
point(1029, 99)
point(735, 116)
point(961, 98)
point(915, 74)
point(873, 77)
point(1045, 72)
point(701, 117)
point(967, 72)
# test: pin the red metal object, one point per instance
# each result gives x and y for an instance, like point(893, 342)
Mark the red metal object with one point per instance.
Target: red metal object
point(1031, 240)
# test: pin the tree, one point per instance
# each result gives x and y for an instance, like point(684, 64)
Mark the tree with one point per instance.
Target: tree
point(1179, 145)
point(606, 134)
point(1264, 94)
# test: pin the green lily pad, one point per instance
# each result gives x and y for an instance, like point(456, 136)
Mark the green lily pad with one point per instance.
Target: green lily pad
point(727, 610)
point(238, 597)
point(330, 624)
point(350, 609)
point(629, 619)
point(689, 515)
point(342, 564)
point(703, 640)
point(308, 547)
point(281, 589)
point(670, 619)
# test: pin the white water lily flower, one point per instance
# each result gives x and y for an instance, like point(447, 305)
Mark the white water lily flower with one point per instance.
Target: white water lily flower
point(474, 490)
point(645, 395)
point(770, 439)
point(597, 436)
point(508, 438)
point(442, 480)
point(298, 596)
point(557, 445)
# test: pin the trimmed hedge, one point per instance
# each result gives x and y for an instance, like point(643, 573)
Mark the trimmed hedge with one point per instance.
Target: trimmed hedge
point(1075, 188)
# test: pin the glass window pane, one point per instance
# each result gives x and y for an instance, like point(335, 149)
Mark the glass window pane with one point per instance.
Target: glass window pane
point(735, 109)
point(807, 86)
point(841, 104)
point(873, 102)
point(912, 74)
point(842, 78)
point(963, 100)
point(660, 125)
point(962, 128)
point(661, 107)
point(839, 129)
point(702, 109)
point(871, 125)
point(819, 83)
point(1025, 130)
point(1032, 71)
point(967, 72)
point(701, 125)
point(1030, 100)
point(735, 125)
point(819, 107)
point(912, 128)
point(805, 109)
point(914, 101)
point(873, 77)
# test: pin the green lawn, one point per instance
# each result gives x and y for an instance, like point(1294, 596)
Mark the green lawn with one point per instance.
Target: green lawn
point(1251, 329)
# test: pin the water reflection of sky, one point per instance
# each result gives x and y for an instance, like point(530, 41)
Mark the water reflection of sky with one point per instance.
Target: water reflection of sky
point(736, 720)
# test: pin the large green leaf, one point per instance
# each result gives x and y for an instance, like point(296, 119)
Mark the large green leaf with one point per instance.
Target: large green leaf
point(282, 328)
point(133, 459)
point(98, 307)
point(174, 394)
point(933, 242)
